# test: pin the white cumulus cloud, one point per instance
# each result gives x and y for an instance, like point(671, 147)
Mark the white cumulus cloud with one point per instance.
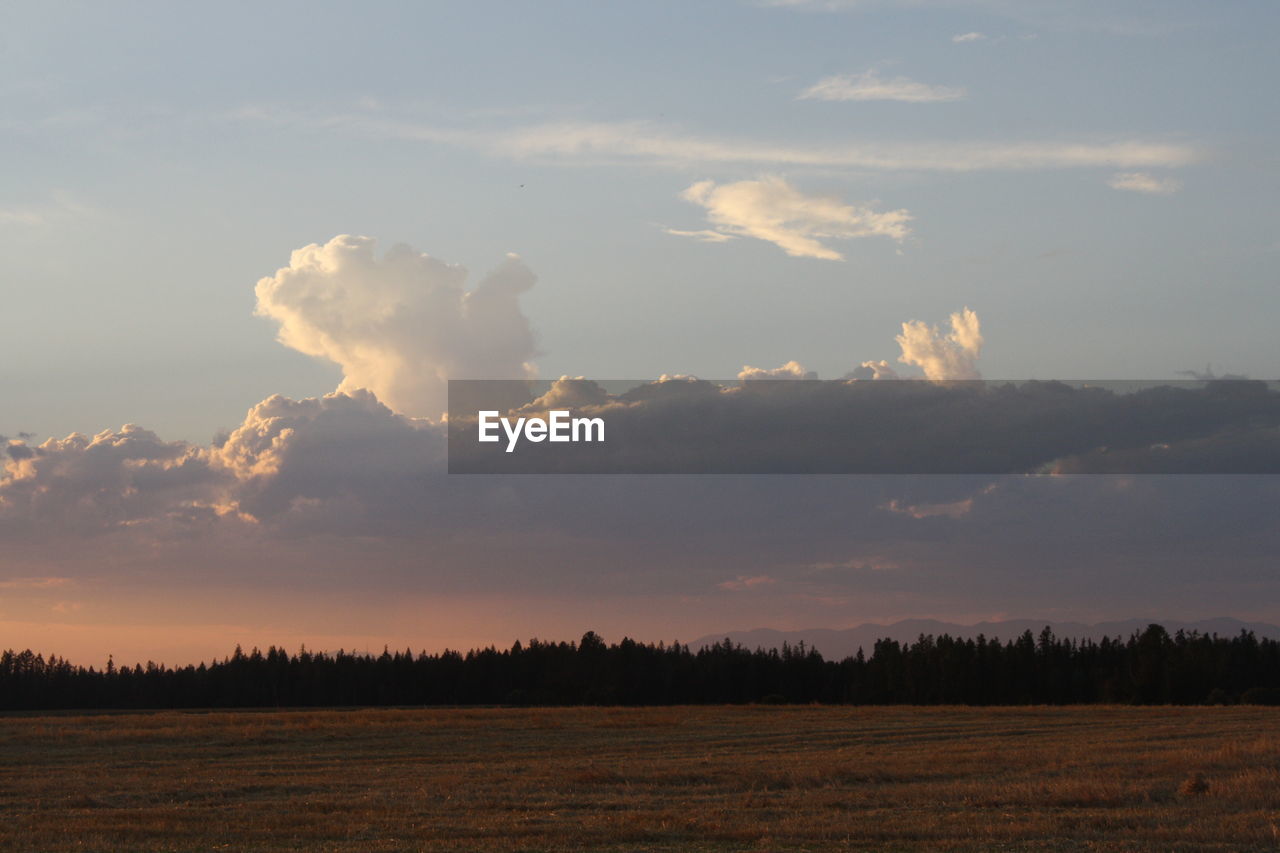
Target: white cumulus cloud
point(402, 325)
point(790, 370)
point(773, 210)
point(873, 370)
point(942, 355)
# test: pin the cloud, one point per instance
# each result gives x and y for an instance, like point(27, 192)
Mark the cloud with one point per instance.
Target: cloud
point(16, 449)
point(340, 494)
point(703, 236)
point(949, 356)
point(402, 325)
point(22, 216)
point(344, 465)
point(1142, 182)
point(35, 583)
point(570, 392)
point(357, 523)
point(961, 38)
point(950, 509)
point(642, 142)
point(648, 143)
point(1106, 16)
point(747, 582)
point(116, 479)
point(339, 461)
point(822, 5)
point(869, 86)
point(790, 370)
point(873, 370)
point(60, 208)
point(771, 209)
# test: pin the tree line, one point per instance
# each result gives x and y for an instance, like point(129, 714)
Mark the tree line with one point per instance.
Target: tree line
point(1150, 667)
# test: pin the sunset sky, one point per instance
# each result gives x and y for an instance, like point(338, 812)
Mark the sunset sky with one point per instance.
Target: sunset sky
point(265, 236)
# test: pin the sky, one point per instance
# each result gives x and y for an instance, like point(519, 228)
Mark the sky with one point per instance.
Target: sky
point(214, 216)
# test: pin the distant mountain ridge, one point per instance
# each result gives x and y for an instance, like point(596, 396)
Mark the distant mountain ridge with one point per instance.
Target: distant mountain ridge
point(841, 643)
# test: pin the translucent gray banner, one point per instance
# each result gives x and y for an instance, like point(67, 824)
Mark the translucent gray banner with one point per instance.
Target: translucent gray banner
point(771, 426)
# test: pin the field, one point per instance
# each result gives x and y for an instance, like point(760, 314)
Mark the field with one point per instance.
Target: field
point(709, 778)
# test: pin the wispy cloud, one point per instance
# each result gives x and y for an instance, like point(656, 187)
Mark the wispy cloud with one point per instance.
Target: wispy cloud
point(773, 210)
point(746, 582)
point(22, 216)
point(1142, 182)
point(1104, 16)
point(965, 37)
point(821, 5)
point(951, 509)
point(58, 208)
point(855, 564)
point(705, 235)
point(35, 583)
point(870, 86)
point(647, 143)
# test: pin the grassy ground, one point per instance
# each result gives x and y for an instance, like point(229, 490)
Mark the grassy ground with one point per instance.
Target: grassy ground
point(716, 778)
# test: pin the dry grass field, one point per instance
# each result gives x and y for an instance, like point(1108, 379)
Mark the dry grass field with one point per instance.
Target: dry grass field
point(709, 778)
